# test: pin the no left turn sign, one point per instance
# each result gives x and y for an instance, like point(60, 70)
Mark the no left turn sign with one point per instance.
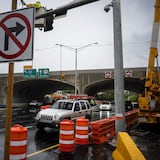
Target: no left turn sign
point(16, 34)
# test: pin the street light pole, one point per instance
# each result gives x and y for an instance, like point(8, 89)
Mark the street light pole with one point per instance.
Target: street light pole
point(118, 62)
point(75, 82)
point(119, 71)
point(60, 65)
point(76, 50)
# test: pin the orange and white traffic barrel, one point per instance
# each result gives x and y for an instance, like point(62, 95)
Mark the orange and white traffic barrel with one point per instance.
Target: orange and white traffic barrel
point(81, 135)
point(66, 137)
point(18, 143)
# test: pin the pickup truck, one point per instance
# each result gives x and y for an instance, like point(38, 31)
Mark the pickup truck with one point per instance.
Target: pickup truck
point(62, 109)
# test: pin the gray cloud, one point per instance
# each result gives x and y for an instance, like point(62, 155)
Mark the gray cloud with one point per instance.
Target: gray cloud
point(89, 24)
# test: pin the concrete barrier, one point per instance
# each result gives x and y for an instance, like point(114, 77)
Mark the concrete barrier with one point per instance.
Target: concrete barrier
point(126, 149)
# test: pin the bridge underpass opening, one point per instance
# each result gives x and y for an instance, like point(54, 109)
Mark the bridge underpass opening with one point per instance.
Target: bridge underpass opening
point(131, 84)
point(25, 91)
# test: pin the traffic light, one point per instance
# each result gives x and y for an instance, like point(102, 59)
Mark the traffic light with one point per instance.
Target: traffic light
point(62, 77)
point(48, 22)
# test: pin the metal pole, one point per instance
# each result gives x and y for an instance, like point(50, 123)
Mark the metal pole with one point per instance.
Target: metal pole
point(76, 71)
point(60, 57)
point(60, 61)
point(119, 71)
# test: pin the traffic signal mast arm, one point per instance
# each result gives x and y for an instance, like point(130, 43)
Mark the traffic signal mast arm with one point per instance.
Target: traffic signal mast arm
point(50, 14)
point(63, 10)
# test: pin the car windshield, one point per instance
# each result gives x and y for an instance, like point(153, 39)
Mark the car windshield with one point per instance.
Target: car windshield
point(62, 105)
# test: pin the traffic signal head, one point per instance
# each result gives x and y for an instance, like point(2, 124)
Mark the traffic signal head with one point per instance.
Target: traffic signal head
point(62, 76)
point(48, 23)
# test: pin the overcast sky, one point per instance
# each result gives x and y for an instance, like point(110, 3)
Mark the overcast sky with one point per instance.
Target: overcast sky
point(89, 24)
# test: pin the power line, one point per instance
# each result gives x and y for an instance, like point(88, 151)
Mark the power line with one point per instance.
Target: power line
point(100, 45)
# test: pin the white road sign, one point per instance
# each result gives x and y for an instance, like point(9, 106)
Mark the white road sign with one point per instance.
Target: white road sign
point(108, 74)
point(128, 73)
point(16, 34)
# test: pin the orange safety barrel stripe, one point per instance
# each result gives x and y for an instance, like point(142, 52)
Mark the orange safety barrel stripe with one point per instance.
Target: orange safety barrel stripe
point(18, 149)
point(82, 122)
point(18, 132)
point(82, 132)
point(67, 137)
point(66, 148)
point(67, 125)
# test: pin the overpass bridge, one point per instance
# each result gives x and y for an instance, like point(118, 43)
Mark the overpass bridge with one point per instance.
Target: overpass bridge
point(88, 81)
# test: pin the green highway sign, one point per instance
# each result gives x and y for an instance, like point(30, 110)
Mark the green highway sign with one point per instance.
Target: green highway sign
point(30, 73)
point(43, 73)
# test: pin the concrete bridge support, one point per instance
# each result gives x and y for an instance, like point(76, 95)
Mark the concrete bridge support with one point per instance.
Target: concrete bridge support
point(88, 82)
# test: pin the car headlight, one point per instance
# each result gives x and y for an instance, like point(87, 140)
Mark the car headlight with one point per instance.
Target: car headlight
point(56, 117)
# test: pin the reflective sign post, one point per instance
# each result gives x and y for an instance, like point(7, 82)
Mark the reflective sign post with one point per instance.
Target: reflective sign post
point(9, 111)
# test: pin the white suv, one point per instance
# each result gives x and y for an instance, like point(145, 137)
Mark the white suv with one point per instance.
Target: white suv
point(62, 109)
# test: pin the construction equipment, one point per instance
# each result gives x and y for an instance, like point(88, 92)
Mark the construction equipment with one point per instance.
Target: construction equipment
point(152, 80)
point(36, 5)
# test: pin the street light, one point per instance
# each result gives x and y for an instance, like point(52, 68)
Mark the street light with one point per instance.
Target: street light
point(118, 62)
point(76, 50)
point(60, 45)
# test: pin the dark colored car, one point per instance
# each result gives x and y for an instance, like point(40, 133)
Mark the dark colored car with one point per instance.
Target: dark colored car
point(128, 106)
point(2, 106)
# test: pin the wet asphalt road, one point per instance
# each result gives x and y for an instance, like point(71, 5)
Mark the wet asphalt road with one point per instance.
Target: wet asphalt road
point(38, 140)
point(149, 143)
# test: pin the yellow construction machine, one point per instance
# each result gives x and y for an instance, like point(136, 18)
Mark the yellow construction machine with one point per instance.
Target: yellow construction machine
point(147, 114)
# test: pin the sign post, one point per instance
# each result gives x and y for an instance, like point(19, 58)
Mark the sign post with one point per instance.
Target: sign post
point(9, 110)
point(14, 47)
point(9, 102)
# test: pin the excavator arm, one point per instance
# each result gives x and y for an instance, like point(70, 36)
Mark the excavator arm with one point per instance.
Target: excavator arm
point(152, 75)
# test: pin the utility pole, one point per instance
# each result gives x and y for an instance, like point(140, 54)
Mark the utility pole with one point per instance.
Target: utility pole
point(119, 71)
point(9, 101)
